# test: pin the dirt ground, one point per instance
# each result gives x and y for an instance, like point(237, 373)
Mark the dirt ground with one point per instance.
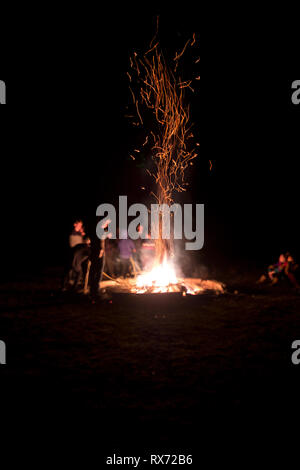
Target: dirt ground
point(149, 371)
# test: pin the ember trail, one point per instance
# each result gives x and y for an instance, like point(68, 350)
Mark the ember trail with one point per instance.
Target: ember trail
point(157, 90)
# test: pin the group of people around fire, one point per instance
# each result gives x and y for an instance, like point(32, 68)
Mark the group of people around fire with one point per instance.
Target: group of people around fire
point(87, 263)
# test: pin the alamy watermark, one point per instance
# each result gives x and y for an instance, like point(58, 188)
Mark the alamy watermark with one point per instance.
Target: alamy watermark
point(296, 353)
point(296, 92)
point(2, 352)
point(162, 220)
point(2, 92)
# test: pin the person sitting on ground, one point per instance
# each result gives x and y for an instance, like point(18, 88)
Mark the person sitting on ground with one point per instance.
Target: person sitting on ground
point(276, 271)
point(286, 267)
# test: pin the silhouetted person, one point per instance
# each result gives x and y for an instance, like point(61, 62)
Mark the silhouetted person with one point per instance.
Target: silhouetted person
point(97, 266)
point(75, 276)
point(97, 262)
point(126, 249)
point(76, 238)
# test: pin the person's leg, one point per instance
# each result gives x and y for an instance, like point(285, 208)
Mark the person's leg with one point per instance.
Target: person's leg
point(262, 279)
point(129, 267)
point(113, 267)
point(78, 259)
point(66, 280)
point(93, 277)
point(84, 268)
point(118, 267)
point(293, 279)
point(80, 273)
point(109, 268)
point(137, 263)
point(271, 272)
point(96, 276)
point(102, 267)
point(122, 267)
point(68, 271)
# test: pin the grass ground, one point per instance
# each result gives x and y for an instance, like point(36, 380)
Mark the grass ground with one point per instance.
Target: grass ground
point(149, 370)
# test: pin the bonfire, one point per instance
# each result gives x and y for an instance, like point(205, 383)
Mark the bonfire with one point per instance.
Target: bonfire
point(158, 91)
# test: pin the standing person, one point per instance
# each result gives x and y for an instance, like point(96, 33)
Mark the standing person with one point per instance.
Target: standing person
point(97, 262)
point(97, 266)
point(138, 250)
point(126, 248)
point(76, 238)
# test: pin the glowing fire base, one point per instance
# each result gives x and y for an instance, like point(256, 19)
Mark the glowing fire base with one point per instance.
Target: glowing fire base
point(185, 286)
point(162, 279)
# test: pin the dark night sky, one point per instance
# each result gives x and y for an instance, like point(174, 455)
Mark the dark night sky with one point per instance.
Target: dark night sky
point(65, 141)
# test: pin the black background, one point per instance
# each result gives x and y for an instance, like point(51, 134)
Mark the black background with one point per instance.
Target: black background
point(65, 142)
